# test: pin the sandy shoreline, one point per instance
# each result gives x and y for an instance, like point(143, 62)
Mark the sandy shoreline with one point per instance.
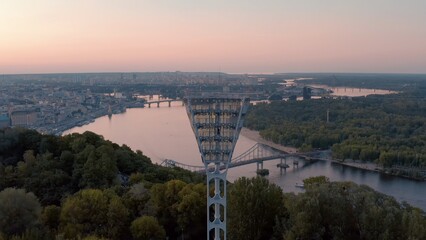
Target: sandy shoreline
point(255, 136)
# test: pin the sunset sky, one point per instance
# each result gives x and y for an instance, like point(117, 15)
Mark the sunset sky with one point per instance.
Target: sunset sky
point(235, 36)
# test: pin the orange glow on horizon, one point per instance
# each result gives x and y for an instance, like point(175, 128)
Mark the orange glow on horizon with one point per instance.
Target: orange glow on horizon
point(60, 36)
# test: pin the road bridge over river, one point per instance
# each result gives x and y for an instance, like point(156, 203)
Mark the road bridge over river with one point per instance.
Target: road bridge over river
point(158, 102)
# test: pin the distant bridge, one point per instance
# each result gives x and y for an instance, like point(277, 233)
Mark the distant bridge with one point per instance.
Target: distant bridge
point(258, 154)
point(169, 101)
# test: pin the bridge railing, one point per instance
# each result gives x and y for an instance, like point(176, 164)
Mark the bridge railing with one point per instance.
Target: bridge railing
point(173, 163)
point(256, 152)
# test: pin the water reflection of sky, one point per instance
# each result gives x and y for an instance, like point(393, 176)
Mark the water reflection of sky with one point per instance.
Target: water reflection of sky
point(165, 132)
point(353, 92)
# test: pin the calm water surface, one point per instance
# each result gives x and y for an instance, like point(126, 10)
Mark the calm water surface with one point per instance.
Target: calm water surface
point(353, 92)
point(165, 132)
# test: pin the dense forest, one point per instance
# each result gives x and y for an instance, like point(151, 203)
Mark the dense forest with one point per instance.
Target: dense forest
point(389, 130)
point(81, 186)
point(408, 83)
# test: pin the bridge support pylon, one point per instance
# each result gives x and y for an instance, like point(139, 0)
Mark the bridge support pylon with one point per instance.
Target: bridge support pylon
point(281, 166)
point(295, 163)
point(259, 164)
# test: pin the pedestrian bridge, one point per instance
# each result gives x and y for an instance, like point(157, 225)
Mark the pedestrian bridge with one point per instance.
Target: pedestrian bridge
point(258, 154)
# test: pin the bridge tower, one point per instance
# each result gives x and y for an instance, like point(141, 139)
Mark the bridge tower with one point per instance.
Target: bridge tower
point(216, 121)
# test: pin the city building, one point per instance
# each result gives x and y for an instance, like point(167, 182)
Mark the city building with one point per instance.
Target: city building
point(4, 121)
point(23, 118)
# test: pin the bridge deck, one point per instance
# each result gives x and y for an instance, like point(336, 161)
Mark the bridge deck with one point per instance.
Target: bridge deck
point(249, 157)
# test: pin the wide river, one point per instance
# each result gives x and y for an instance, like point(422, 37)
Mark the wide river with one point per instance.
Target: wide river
point(165, 133)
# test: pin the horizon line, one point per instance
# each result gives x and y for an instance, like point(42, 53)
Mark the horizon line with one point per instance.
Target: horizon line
point(231, 73)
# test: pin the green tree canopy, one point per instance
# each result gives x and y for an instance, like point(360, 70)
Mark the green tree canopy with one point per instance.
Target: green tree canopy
point(165, 199)
point(344, 210)
point(50, 216)
point(178, 206)
point(19, 211)
point(95, 212)
point(254, 205)
point(192, 209)
point(388, 130)
point(315, 181)
point(147, 228)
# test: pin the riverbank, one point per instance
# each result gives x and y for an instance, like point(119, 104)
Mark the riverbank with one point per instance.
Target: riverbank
point(255, 136)
point(59, 128)
point(162, 133)
point(360, 165)
point(388, 171)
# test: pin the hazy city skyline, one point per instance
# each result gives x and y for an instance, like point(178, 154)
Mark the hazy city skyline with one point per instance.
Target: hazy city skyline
point(386, 36)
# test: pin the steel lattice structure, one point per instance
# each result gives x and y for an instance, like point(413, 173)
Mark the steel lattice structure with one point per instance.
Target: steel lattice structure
point(216, 122)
